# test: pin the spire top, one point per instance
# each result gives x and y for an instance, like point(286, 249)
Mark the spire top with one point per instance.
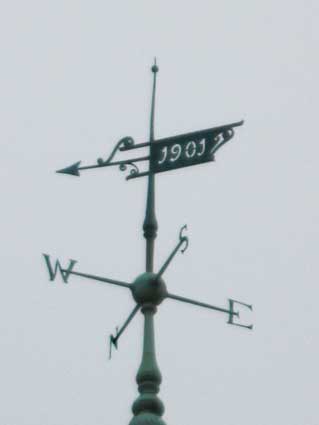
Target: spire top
point(155, 67)
point(155, 70)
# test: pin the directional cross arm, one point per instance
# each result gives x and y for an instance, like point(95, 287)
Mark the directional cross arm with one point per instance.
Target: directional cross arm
point(231, 312)
point(100, 279)
point(183, 240)
point(55, 268)
point(200, 304)
point(114, 339)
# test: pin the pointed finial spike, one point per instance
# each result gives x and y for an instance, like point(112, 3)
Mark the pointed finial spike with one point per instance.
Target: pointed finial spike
point(155, 67)
point(72, 170)
point(154, 70)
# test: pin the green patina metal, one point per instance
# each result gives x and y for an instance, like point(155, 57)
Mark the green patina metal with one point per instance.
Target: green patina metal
point(149, 289)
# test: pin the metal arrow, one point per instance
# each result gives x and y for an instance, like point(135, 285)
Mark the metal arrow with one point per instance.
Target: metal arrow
point(125, 142)
point(74, 169)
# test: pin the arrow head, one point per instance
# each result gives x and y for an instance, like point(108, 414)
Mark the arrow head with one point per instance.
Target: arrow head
point(72, 170)
point(113, 341)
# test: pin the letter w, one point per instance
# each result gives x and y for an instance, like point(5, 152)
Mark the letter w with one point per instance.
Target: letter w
point(65, 273)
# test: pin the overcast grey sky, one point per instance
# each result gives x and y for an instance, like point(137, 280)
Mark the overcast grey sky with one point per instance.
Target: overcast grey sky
point(75, 79)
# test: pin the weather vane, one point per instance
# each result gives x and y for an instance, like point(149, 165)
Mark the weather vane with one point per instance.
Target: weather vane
point(149, 289)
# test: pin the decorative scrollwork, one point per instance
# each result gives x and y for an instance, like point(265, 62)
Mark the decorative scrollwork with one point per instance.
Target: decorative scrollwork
point(134, 170)
point(218, 138)
point(221, 138)
point(124, 142)
point(228, 134)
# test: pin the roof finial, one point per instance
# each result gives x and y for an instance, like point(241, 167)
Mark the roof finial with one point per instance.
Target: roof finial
point(155, 67)
point(154, 70)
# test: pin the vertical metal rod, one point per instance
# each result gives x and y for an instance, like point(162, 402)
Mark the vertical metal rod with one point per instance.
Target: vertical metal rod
point(148, 408)
point(150, 225)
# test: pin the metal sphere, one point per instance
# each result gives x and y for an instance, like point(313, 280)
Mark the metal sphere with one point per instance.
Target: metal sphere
point(149, 289)
point(155, 68)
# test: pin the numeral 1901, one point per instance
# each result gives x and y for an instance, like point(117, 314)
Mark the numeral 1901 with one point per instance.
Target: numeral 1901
point(189, 151)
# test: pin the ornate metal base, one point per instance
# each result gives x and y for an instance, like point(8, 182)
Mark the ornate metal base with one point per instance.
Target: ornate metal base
point(148, 408)
point(147, 419)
